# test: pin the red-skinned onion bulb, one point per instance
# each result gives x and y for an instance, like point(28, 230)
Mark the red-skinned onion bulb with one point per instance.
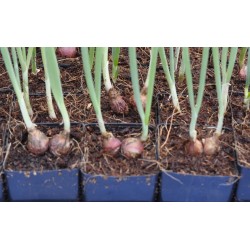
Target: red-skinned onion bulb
point(117, 103)
point(211, 145)
point(132, 147)
point(38, 142)
point(243, 72)
point(60, 144)
point(111, 145)
point(68, 52)
point(143, 98)
point(194, 148)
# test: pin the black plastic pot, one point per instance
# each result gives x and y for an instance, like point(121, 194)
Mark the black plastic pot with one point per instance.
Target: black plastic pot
point(44, 185)
point(124, 188)
point(179, 187)
point(1, 188)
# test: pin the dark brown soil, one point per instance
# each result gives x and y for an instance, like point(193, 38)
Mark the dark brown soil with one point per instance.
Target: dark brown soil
point(208, 113)
point(5, 105)
point(103, 164)
point(241, 125)
point(74, 103)
point(173, 157)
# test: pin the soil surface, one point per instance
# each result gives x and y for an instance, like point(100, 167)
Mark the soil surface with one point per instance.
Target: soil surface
point(173, 156)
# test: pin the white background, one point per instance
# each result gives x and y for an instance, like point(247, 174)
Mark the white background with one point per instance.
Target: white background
point(124, 225)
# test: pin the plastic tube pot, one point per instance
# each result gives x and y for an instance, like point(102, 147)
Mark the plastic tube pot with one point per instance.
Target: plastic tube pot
point(125, 188)
point(42, 185)
point(180, 187)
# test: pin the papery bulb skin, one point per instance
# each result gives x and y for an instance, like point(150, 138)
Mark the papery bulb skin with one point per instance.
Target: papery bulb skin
point(243, 72)
point(132, 147)
point(68, 52)
point(117, 103)
point(111, 145)
point(143, 98)
point(60, 144)
point(38, 142)
point(194, 148)
point(211, 145)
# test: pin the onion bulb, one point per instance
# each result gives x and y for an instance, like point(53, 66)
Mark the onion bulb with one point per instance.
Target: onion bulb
point(38, 142)
point(194, 148)
point(68, 52)
point(143, 98)
point(132, 147)
point(117, 103)
point(111, 145)
point(243, 72)
point(211, 145)
point(60, 144)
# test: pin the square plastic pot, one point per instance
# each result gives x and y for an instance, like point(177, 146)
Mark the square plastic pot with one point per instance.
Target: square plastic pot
point(120, 189)
point(178, 187)
point(110, 188)
point(51, 185)
point(243, 186)
point(46, 185)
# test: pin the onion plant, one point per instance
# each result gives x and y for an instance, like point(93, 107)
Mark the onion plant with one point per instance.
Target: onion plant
point(24, 58)
point(60, 144)
point(51, 110)
point(144, 90)
point(111, 145)
point(133, 147)
point(117, 102)
point(38, 142)
point(194, 147)
point(211, 144)
point(170, 73)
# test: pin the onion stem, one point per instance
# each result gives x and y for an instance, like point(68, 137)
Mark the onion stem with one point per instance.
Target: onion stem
point(56, 86)
point(92, 51)
point(115, 59)
point(51, 110)
point(11, 72)
point(33, 62)
point(242, 56)
point(91, 88)
point(222, 86)
point(246, 89)
point(105, 70)
point(136, 88)
point(98, 70)
point(24, 61)
point(170, 79)
point(195, 106)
